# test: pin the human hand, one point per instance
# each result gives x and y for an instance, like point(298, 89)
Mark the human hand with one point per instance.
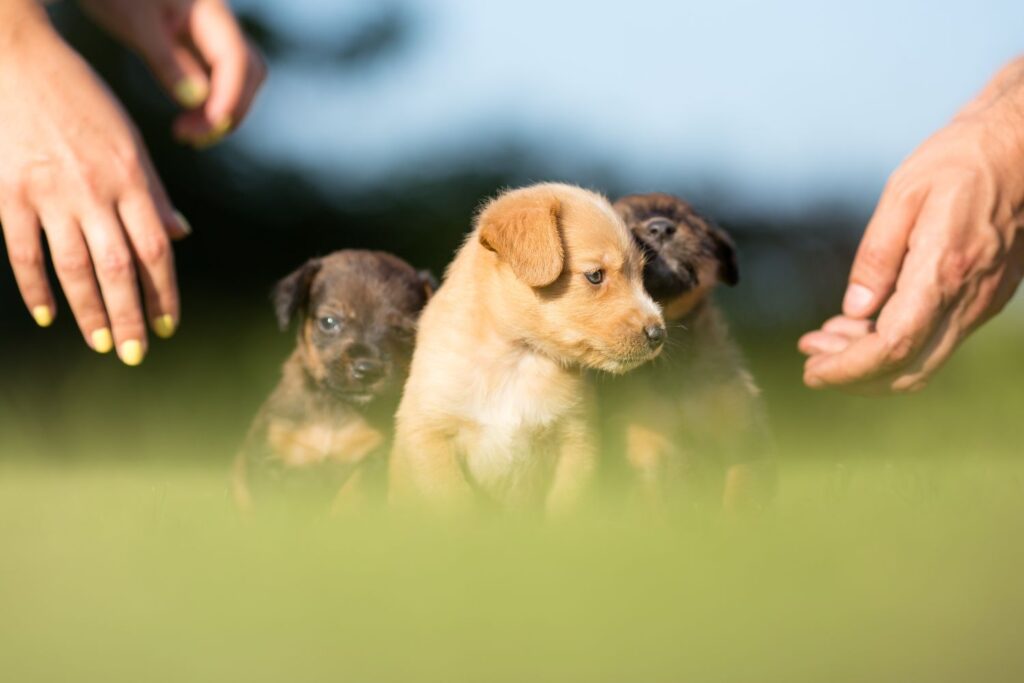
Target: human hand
point(72, 164)
point(199, 54)
point(942, 254)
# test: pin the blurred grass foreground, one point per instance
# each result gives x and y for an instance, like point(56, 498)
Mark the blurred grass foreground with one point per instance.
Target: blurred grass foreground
point(893, 553)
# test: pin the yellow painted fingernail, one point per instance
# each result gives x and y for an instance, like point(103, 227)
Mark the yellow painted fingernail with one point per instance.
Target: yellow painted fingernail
point(43, 316)
point(191, 92)
point(164, 326)
point(215, 135)
point(183, 223)
point(131, 352)
point(102, 341)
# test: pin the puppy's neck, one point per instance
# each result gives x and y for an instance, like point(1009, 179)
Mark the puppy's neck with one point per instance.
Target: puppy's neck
point(686, 303)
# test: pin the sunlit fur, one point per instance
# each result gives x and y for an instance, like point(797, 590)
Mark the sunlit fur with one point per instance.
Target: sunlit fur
point(495, 404)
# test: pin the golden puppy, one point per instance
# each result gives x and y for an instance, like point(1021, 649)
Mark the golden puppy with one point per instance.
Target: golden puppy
point(549, 282)
point(692, 423)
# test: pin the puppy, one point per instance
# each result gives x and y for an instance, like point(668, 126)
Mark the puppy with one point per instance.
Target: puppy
point(692, 423)
point(548, 282)
point(326, 426)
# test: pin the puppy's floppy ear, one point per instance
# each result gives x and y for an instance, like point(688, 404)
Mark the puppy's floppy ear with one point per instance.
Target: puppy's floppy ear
point(428, 281)
point(724, 250)
point(292, 293)
point(521, 227)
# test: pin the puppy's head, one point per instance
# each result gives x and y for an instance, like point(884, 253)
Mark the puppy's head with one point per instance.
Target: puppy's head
point(358, 312)
point(570, 277)
point(685, 254)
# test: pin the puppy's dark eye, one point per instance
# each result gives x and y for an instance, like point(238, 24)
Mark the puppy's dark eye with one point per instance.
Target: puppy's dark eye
point(594, 277)
point(329, 324)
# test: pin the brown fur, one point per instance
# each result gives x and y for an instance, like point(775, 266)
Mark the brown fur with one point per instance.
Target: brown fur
point(691, 423)
point(326, 428)
point(495, 406)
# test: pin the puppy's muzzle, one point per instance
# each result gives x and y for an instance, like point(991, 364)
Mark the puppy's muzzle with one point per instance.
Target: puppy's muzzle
point(655, 336)
point(661, 230)
point(367, 370)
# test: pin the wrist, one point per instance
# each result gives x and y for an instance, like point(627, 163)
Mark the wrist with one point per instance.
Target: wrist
point(1008, 83)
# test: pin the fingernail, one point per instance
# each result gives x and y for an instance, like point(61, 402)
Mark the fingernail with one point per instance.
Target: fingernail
point(43, 316)
point(183, 223)
point(164, 326)
point(857, 300)
point(102, 341)
point(215, 135)
point(191, 92)
point(131, 352)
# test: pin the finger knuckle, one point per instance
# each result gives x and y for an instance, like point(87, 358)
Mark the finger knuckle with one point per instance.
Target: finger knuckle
point(873, 261)
point(152, 249)
point(899, 348)
point(16, 188)
point(954, 268)
point(905, 190)
point(993, 248)
point(74, 264)
point(115, 263)
point(25, 257)
point(92, 182)
point(127, 164)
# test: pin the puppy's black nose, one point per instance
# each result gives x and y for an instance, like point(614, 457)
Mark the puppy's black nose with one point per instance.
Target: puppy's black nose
point(662, 229)
point(367, 370)
point(655, 335)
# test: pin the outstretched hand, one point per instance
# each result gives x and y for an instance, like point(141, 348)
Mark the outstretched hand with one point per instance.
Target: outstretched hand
point(942, 254)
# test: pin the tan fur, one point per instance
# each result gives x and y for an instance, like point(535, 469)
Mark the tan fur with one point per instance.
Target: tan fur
point(495, 405)
point(524, 234)
point(684, 304)
point(305, 444)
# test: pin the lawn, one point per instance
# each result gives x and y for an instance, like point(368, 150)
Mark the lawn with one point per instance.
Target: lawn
point(893, 552)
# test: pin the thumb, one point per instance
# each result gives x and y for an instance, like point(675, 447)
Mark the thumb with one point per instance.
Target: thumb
point(174, 65)
point(880, 256)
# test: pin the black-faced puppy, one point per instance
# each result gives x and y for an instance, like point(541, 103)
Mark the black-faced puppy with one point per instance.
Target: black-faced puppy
point(327, 425)
point(496, 406)
point(691, 423)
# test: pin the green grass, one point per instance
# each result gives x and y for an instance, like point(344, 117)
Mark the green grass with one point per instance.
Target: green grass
point(893, 553)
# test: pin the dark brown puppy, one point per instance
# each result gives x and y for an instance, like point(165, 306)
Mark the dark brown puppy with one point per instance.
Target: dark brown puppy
point(327, 426)
point(691, 423)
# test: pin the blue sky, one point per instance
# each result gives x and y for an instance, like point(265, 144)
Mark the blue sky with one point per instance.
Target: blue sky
point(783, 103)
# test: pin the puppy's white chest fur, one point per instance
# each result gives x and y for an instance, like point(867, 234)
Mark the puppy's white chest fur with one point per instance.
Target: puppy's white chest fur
point(512, 414)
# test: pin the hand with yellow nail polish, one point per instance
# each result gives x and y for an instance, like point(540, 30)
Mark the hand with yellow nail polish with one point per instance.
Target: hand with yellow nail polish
point(197, 50)
point(72, 166)
point(943, 253)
